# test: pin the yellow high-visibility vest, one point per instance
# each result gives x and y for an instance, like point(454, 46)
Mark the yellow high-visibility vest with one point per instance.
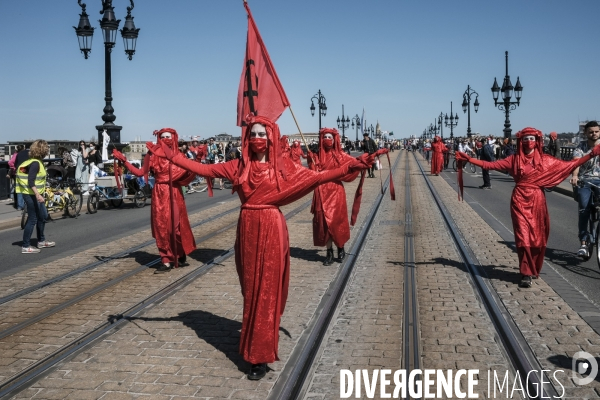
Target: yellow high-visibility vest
point(22, 185)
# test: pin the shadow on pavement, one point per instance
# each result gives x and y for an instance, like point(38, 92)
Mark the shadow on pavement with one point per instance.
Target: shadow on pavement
point(566, 363)
point(306, 254)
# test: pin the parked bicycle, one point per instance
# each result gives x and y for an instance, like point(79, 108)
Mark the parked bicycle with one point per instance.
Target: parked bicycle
point(60, 196)
point(594, 227)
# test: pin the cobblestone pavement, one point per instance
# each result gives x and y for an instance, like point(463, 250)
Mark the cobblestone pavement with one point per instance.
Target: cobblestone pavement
point(366, 332)
point(552, 329)
point(187, 345)
point(32, 343)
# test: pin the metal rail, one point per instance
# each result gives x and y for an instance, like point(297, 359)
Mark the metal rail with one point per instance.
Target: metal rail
point(293, 378)
point(520, 354)
point(25, 378)
point(104, 260)
point(411, 346)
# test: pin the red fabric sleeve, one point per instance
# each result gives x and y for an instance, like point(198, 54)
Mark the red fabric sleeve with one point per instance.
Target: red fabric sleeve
point(501, 165)
point(226, 170)
point(134, 170)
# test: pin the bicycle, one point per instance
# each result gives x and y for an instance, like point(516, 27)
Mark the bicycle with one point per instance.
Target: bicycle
point(60, 196)
point(472, 166)
point(594, 225)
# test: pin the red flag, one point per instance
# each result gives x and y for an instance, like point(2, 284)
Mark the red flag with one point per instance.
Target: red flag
point(260, 90)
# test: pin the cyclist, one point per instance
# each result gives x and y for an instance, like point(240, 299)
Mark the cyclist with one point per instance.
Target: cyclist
point(587, 173)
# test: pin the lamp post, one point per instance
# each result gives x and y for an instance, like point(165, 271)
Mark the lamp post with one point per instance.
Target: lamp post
point(343, 124)
point(466, 106)
point(435, 128)
point(322, 106)
point(109, 25)
point(451, 124)
point(506, 105)
point(356, 122)
point(440, 126)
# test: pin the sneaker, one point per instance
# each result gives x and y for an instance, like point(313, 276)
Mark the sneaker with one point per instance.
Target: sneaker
point(484, 187)
point(583, 251)
point(29, 250)
point(162, 269)
point(191, 191)
point(45, 244)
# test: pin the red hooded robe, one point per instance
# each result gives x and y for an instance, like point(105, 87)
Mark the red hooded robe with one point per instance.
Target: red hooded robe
point(262, 254)
point(330, 220)
point(296, 153)
point(528, 209)
point(437, 155)
point(160, 217)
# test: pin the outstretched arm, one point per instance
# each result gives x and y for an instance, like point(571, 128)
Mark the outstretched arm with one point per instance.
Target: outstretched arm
point(220, 170)
point(121, 157)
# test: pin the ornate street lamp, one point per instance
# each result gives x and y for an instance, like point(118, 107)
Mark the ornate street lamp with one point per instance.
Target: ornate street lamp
point(343, 124)
point(109, 25)
point(356, 122)
point(466, 106)
point(440, 126)
point(507, 90)
point(451, 124)
point(322, 106)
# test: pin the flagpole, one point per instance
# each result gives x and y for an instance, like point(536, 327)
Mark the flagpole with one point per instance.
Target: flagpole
point(301, 135)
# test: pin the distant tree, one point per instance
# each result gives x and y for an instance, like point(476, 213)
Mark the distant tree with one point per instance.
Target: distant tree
point(126, 149)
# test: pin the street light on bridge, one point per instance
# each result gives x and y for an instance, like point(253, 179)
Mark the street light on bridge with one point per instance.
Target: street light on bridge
point(343, 124)
point(466, 106)
point(451, 124)
point(506, 105)
point(322, 106)
point(109, 25)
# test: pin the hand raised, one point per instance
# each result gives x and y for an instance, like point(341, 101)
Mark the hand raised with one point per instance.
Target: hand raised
point(596, 151)
point(169, 152)
point(118, 155)
point(460, 156)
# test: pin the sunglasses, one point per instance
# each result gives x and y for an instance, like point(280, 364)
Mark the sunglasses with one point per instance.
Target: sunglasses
point(528, 139)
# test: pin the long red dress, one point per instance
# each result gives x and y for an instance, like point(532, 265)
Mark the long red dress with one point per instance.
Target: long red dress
point(160, 218)
point(528, 209)
point(296, 153)
point(329, 208)
point(262, 254)
point(437, 155)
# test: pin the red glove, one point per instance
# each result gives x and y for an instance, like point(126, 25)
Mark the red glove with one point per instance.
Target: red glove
point(460, 156)
point(119, 156)
point(596, 151)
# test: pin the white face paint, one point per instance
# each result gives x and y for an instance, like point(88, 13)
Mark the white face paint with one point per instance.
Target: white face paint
point(258, 131)
point(165, 135)
point(528, 138)
point(328, 136)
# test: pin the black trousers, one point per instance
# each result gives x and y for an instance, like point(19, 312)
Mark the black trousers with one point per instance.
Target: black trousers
point(486, 177)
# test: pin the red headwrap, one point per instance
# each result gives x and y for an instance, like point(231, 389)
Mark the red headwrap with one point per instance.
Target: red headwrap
point(335, 150)
point(553, 135)
point(537, 151)
point(274, 153)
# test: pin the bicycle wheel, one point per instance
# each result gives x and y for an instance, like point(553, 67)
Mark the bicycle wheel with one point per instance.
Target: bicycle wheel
point(93, 202)
point(140, 199)
point(596, 240)
point(454, 167)
point(116, 202)
point(23, 218)
point(472, 167)
point(74, 205)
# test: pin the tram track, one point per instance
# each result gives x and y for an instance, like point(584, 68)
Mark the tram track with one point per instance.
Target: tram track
point(516, 349)
point(103, 260)
point(21, 380)
point(293, 381)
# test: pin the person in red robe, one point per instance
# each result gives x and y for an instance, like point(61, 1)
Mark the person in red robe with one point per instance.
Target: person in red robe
point(169, 218)
point(296, 153)
point(437, 155)
point(532, 171)
point(264, 181)
point(285, 147)
point(330, 212)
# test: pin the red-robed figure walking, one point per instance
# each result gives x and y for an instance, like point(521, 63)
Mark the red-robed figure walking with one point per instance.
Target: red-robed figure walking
point(330, 212)
point(296, 152)
point(264, 181)
point(437, 155)
point(532, 171)
point(169, 218)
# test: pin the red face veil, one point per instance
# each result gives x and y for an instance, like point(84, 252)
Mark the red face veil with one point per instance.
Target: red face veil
point(335, 148)
point(274, 153)
point(521, 150)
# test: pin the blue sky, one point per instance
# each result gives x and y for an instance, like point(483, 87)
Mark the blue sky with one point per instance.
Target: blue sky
point(403, 61)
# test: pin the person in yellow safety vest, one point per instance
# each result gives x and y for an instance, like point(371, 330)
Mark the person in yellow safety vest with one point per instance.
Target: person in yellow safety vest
point(31, 183)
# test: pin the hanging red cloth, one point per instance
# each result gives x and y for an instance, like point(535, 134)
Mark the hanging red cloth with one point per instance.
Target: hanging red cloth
point(262, 253)
point(168, 217)
point(437, 156)
point(529, 212)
